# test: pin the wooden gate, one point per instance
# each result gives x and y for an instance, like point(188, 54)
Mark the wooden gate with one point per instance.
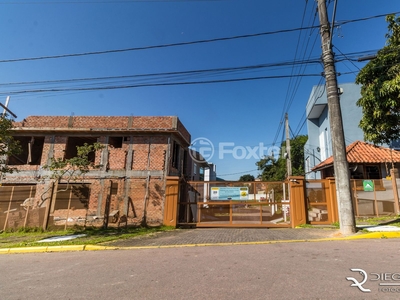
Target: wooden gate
point(297, 198)
point(321, 201)
point(243, 204)
point(18, 207)
point(171, 201)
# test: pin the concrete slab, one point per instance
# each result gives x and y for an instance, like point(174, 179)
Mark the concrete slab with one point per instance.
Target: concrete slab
point(380, 228)
point(61, 238)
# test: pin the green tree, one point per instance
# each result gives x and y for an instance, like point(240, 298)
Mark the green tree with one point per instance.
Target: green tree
point(274, 169)
point(297, 152)
point(246, 177)
point(70, 170)
point(8, 145)
point(73, 168)
point(380, 91)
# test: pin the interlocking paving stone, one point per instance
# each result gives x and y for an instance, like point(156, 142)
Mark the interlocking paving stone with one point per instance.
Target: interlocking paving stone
point(225, 235)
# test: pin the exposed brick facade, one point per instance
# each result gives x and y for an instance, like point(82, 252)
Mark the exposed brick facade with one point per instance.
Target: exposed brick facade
point(135, 160)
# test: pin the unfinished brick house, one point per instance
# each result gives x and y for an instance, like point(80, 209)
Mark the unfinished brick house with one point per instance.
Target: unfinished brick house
point(140, 154)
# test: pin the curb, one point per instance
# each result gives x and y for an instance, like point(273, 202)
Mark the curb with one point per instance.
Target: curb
point(70, 248)
point(375, 235)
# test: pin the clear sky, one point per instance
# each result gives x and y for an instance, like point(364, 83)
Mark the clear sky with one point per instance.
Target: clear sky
point(233, 115)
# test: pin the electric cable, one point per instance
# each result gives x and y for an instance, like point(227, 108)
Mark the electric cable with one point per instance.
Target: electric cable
point(185, 43)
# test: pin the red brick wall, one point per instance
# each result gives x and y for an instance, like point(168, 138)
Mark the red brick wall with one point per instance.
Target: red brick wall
point(97, 122)
point(44, 121)
point(145, 147)
point(141, 148)
point(104, 122)
point(156, 143)
point(46, 150)
point(95, 194)
point(136, 193)
point(60, 145)
point(152, 122)
point(154, 203)
point(117, 158)
point(184, 132)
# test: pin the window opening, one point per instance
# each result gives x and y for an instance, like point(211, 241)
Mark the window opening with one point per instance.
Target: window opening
point(78, 199)
point(31, 154)
point(114, 188)
point(115, 142)
point(372, 172)
point(73, 142)
point(175, 155)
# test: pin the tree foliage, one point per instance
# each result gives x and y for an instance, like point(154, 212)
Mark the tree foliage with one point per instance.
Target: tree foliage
point(73, 168)
point(8, 145)
point(246, 177)
point(274, 169)
point(380, 91)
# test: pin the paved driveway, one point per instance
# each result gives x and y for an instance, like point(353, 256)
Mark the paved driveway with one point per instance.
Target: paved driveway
point(202, 236)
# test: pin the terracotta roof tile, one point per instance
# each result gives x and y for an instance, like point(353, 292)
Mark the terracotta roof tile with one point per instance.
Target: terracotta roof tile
point(361, 152)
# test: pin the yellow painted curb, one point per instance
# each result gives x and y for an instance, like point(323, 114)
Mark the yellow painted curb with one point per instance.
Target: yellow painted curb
point(372, 235)
point(27, 249)
point(376, 235)
point(4, 250)
point(65, 248)
point(95, 248)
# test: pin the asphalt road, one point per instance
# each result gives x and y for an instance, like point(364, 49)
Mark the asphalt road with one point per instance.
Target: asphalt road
point(299, 270)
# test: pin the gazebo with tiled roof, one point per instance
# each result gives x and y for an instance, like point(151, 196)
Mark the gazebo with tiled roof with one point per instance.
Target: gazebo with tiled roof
point(365, 161)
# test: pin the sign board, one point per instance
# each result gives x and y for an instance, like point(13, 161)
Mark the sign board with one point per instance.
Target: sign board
point(368, 185)
point(229, 193)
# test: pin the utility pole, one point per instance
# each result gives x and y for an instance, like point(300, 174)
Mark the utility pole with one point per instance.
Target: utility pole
point(288, 155)
point(6, 108)
point(342, 177)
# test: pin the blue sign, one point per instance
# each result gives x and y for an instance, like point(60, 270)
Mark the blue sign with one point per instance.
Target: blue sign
point(229, 193)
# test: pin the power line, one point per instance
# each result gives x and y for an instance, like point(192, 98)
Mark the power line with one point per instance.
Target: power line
point(156, 79)
point(190, 72)
point(153, 47)
point(101, 2)
point(347, 58)
point(302, 69)
point(150, 84)
point(366, 18)
point(288, 99)
point(295, 57)
point(299, 128)
point(238, 173)
point(185, 43)
point(316, 90)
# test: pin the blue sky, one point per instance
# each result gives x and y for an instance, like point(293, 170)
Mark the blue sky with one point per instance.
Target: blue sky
point(241, 114)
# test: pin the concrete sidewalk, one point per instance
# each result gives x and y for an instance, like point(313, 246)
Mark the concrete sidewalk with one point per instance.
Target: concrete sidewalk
point(214, 237)
point(232, 236)
point(201, 236)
